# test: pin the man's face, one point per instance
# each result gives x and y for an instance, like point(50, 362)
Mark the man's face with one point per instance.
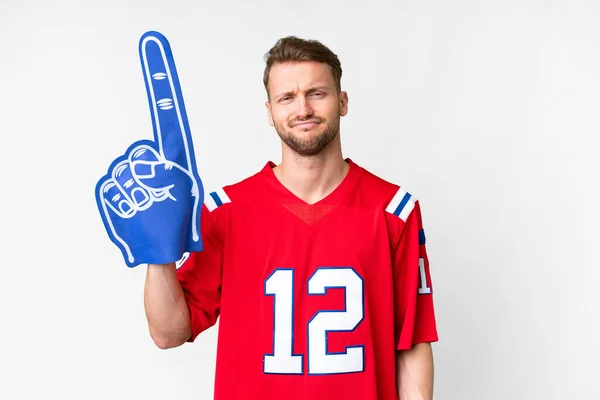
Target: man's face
point(305, 107)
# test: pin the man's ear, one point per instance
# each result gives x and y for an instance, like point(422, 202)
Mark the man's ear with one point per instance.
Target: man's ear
point(343, 103)
point(269, 113)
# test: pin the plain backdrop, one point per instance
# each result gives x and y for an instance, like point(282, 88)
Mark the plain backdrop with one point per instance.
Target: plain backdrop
point(487, 110)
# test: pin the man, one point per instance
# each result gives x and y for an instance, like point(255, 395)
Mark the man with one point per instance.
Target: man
point(316, 267)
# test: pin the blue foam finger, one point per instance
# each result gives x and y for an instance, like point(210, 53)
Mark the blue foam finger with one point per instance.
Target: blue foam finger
point(151, 197)
point(167, 109)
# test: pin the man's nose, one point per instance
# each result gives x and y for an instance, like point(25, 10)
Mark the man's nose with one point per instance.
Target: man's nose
point(304, 108)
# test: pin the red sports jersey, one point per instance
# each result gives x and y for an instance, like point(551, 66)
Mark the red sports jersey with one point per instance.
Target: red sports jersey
point(314, 300)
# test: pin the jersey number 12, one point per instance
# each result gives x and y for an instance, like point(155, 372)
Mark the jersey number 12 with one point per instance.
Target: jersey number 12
point(280, 285)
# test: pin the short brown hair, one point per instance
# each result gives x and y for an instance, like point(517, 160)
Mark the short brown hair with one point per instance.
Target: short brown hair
point(292, 48)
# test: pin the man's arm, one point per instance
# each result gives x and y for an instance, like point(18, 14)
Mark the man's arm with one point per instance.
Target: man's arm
point(166, 308)
point(414, 371)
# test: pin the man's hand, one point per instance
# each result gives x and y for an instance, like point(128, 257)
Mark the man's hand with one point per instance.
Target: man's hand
point(414, 370)
point(150, 199)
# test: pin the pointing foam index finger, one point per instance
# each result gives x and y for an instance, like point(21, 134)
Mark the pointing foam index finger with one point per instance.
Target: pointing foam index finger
point(169, 118)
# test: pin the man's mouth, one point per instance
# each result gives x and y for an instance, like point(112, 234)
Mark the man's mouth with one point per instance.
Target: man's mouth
point(306, 124)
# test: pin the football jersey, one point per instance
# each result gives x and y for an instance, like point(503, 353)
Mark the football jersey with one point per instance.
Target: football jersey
point(313, 300)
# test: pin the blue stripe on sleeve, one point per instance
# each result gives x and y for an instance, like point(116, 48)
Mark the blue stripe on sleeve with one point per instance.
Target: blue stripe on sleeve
point(402, 204)
point(422, 237)
point(216, 198)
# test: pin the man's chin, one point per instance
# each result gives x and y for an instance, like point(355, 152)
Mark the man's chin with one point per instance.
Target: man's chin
point(307, 141)
point(307, 152)
point(309, 148)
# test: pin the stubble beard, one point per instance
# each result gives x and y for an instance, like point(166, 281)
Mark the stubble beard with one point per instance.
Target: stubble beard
point(312, 146)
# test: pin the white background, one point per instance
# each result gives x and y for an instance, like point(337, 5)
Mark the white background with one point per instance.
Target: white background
point(487, 110)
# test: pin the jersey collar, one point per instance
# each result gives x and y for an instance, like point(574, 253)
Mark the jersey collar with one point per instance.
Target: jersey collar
point(341, 192)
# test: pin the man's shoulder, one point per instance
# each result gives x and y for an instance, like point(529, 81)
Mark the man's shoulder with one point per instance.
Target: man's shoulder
point(374, 182)
point(380, 192)
point(237, 191)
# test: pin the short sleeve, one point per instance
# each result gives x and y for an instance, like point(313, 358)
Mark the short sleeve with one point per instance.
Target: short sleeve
point(200, 276)
point(413, 290)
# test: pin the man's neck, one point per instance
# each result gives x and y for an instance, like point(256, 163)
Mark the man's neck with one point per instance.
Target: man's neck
point(312, 178)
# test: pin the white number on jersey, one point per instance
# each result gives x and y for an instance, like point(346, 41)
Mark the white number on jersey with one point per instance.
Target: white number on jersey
point(280, 284)
point(424, 288)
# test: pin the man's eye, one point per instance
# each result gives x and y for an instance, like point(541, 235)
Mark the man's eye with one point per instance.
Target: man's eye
point(317, 94)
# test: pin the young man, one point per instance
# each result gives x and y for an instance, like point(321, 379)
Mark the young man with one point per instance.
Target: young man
point(316, 267)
